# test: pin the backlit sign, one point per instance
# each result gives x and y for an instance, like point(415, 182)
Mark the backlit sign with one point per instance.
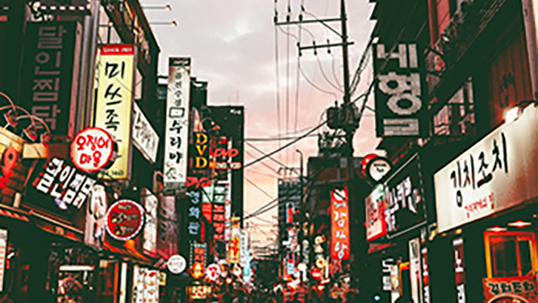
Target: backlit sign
point(124, 220)
point(93, 149)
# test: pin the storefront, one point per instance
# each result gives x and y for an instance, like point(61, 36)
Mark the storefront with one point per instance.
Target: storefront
point(487, 216)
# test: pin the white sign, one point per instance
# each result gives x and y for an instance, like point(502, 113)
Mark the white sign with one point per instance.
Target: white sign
point(213, 272)
point(3, 251)
point(377, 168)
point(150, 203)
point(415, 273)
point(93, 149)
point(144, 136)
point(498, 172)
point(177, 125)
point(243, 242)
point(176, 264)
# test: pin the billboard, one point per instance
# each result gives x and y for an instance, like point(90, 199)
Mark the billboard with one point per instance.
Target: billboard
point(113, 102)
point(399, 91)
point(177, 125)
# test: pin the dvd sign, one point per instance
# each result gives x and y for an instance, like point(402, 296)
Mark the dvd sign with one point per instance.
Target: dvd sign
point(93, 149)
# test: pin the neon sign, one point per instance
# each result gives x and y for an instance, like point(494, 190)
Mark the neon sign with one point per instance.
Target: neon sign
point(93, 149)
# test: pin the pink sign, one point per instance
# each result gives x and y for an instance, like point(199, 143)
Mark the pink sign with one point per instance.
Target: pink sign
point(93, 149)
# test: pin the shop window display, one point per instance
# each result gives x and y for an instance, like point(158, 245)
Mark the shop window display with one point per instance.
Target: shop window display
point(510, 254)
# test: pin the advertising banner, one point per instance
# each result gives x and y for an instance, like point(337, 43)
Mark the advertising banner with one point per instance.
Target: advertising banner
point(150, 202)
point(405, 202)
point(94, 233)
point(145, 139)
point(113, 102)
point(399, 92)
point(510, 289)
point(49, 87)
point(177, 125)
point(339, 224)
point(498, 172)
point(375, 213)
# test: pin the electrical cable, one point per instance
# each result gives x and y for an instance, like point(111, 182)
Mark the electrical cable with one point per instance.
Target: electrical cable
point(258, 187)
point(263, 153)
point(277, 75)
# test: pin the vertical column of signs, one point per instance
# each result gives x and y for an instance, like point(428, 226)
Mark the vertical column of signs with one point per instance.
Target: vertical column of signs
point(177, 125)
point(114, 101)
point(399, 93)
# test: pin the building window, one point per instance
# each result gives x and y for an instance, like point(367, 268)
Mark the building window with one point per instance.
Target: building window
point(510, 254)
point(456, 118)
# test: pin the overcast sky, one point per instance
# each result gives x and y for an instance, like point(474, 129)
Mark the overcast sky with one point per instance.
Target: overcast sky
point(233, 45)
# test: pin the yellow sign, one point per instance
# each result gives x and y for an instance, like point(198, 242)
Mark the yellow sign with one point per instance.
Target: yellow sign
point(114, 101)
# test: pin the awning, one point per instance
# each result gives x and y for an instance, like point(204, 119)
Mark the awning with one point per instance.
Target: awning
point(14, 214)
point(57, 227)
point(124, 252)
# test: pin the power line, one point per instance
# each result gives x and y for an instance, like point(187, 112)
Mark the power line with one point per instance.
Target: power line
point(257, 187)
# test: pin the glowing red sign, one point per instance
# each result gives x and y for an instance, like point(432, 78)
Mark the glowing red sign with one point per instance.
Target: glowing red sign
point(197, 270)
point(93, 149)
point(339, 224)
point(124, 220)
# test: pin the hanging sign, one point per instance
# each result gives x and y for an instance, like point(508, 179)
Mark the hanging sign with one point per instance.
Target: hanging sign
point(197, 270)
point(176, 264)
point(94, 233)
point(124, 220)
point(213, 272)
point(3, 251)
point(510, 289)
point(377, 168)
point(150, 202)
point(375, 213)
point(459, 270)
point(93, 149)
point(339, 224)
point(145, 138)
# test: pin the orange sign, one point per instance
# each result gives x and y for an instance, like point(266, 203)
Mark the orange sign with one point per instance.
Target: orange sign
point(512, 289)
point(339, 224)
point(197, 270)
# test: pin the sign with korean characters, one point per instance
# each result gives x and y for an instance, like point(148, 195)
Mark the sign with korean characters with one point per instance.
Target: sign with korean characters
point(496, 173)
point(339, 224)
point(404, 206)
point(150, 202)
point(177, 125)
point(3, 252)
point(114, 101)
point(243, 244)
point(510, 289)
point(124, 220)
point(399, 92)
point(194, 212)
point(375, 213)
point(145, 139)
point(459, 270)
point(233, 249)
point(93, 149)
point(49, 86)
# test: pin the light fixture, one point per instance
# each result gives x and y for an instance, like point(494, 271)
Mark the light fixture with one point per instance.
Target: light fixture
point(168, 7)
point(445, 38)
point(301, 266)
point(174, 23)
point(519, 223)
point(496, 228)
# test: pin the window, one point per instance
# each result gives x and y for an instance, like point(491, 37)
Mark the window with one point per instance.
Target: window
point(510, 254)
point(456, 118)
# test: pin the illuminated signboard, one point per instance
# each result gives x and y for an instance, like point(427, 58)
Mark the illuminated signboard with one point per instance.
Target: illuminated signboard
point(124, 220)
point(93, 149)
point(375, 213)
point(233, 250)
point(339, 224)
point(114, 102)
point(150, 202)
point(94, 233)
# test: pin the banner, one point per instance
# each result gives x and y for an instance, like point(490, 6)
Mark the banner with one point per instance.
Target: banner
point(144, 136)
point(177, 125)
point(375, 213)
point(339, 224)
point(114, 101)
point(49, 86)
point(94, 233)
point(399, 92)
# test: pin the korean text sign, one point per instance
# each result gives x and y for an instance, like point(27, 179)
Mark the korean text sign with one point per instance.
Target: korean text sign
point(194, 212)
point(498, 172)
point(49, 86)
point(375, 213)
point(114, 102)
point(177, 125)
point(339, 224)
point(399, 89)
point(510, 289)
point(150, 202)
point(144, 136)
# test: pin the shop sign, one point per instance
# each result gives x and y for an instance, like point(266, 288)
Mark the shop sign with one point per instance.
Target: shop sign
point(144, 136)
point(176, 264)
point(365, 161)
point(212, 272)
point(386, 265)
point(3, 251)
point(94, 233)
point(150, 202)
point(243, 243)
point(425, 275)
point(114, 102)
point(218, 221)
point(151, 286)
point(228, 214)
point(403, 192)
point(49, 86)
point(395, 279)
point(201, 152)
point(63, 183)
point(459, 270)
point(93, 149)
point(498, 172)
point(167, 228)
point(194, 212)
point(123, 282)
point(233, 250)
point(510, 289)
point(199, 292)
point(124, 220)
point(197, 182)
point(415, 272)
point(377, 168)
point(198, 254)
point(177, 125)
point(339, 224)
point(139, 277)
point(399, 92)
point(375, 213)
point(197, 270)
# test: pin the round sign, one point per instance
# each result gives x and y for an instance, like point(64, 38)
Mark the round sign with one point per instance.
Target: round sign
point(320, 262)
point(93, 149)
point(212, 272)
point(377, 168)
point(176, 264)
point(237, 271)
point(197, 270)
point(124, 219)
point(365, 161)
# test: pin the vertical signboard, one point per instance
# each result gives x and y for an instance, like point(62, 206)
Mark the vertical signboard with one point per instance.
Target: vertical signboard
point(399, 92)
point(168, 229)
point(194, 212)
point(94, 233)
point(415, 272)
point(150, 203)
point(243, 245)
point(375, 213)
point(3, 251)
point(177, 125)
point(51, 69)
point(425, 275)
point(459, 270)
point(114, 102)
point(233, 251)
point(386, 265)
point(144, 136)
point(339, 224)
